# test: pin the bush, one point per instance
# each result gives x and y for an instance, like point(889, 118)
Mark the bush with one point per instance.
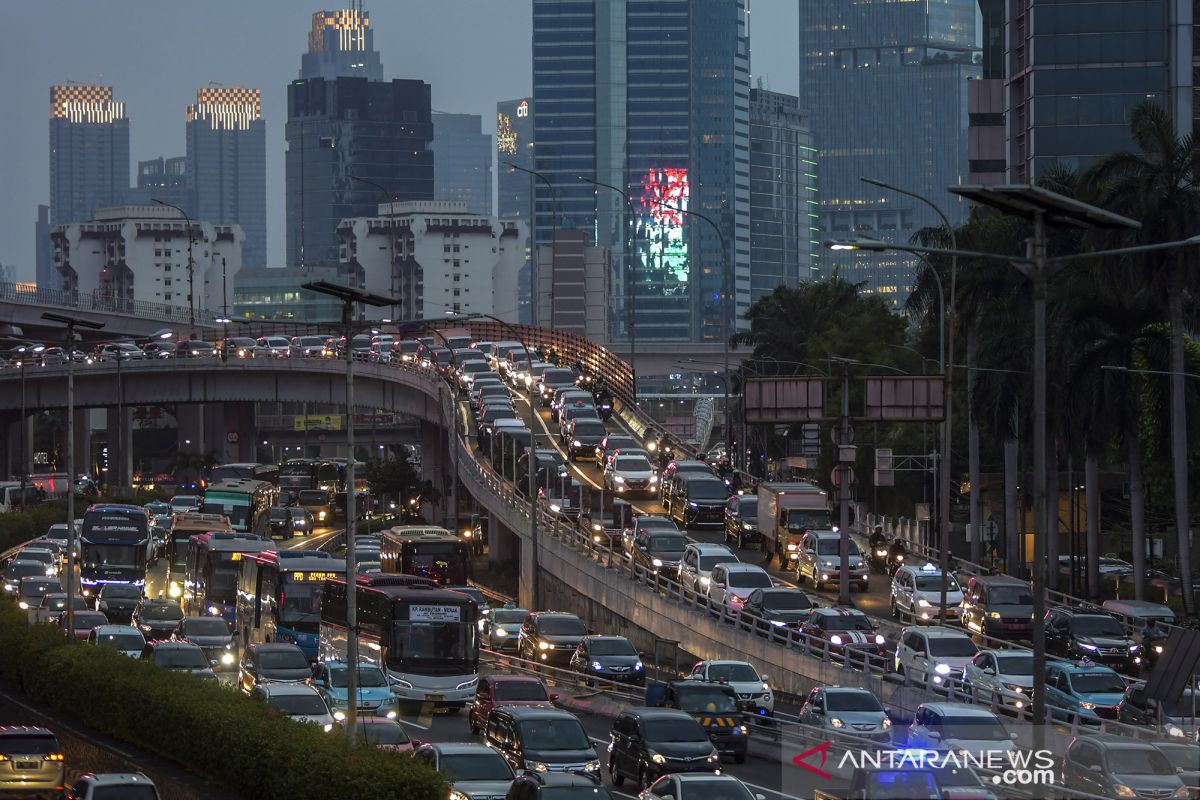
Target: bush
point(210, 728)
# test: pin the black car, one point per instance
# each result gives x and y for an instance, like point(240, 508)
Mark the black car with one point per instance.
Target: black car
point(741, 520)
point(715, 707)
point(776, 609)
point(1080, 633)
point(117, 601)
point(211, 635)
point(658, 550)
point(556, 785)
point(156, 619)
point(647, 743)
point(582, 438)
point(272, 662)
point(550, 637)
point(611, 657)
point(280, 522)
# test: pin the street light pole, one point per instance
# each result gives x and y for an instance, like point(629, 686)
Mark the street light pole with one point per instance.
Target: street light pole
point(553, 238)
point(191, 266)
point(391, 233)
point(349, 296)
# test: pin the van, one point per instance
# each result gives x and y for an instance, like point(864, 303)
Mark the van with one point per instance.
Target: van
point(998, 605)
point(541, 740)
point(698, 499)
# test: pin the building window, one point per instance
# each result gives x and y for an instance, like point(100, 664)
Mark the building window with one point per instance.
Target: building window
point(456, 278)
point(457, 263)
point(456, 248)
point(446, 248)
point(456, 292)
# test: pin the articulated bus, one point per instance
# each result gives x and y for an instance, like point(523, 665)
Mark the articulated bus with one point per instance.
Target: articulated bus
point(279, 596)
point(298, 474)
point(114, 546)
point(210, 572)
point(427, 551)
point(246, 503)
point(268, 473)
point(426, 638)
point(184, 526)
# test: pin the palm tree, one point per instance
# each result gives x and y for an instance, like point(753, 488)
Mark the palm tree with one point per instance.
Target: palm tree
point(1157, 186)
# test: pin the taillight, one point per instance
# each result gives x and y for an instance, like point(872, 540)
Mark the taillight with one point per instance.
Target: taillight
point(53, 757)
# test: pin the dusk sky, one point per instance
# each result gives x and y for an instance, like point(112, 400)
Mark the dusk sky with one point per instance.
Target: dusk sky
point(156, 53)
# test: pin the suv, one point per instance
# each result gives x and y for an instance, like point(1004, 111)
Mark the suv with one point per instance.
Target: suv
point(696, 566)
point(753, 690)
point(117, 601)
point(657, 548)
point(741, 520)
point(611, 657)
point(678, 468)
point(272, 662)
point(581, 436)
point(506, 690)
point(1076, 633)
point(541, 740)
point(551, 379)
point(178, 657)
point(647, 743)
point(1112, 766)
point(820, 559)
point(126, 785)
point(474, 770)
point(934, 654)
point(30, 760)
point(697, 500)
point(156, 619)
point(917, 593)
point(550, 637)
point(998, 606)
point(629, 472)
point(537, 785)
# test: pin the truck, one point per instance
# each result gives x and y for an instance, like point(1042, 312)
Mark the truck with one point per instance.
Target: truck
point(886, 784)
point(715, 707)
point(786, 511)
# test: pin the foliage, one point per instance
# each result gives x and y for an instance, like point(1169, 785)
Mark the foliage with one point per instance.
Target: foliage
point(393, 477)
point(17, 527)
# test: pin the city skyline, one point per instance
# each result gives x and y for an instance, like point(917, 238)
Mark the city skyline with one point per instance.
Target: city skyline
point(264, 47)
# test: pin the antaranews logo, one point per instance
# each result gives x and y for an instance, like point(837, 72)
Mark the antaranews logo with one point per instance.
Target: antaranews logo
point(1000, 767)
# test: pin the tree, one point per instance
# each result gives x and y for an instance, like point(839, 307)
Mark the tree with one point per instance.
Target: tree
point(393, 477)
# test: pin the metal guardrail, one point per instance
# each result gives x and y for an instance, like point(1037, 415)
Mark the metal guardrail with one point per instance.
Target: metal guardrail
point(25, 294)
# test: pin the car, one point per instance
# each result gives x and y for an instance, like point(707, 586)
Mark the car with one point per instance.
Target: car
point(611, 657)
point(125, 639)
point(698, 500)
point(935, 656)
point(715, 707)
point(49, 558)
point(916, 594)
point(1120, 767)
point(1177, 716)
point(18, 569)
point(272, 662)
point(506, 690)
point(602, 525)
point(657, 549)
point(997, 606)
point(647, 743)
point(117, 601)
point(959, 728)
point(1000, 677)
point(550, 637)
point(741, 520)
point(500, 630)
point(159, 349)
point(83, 622)
point(580, 440)
point(678, 467)
point(847, 631)
point(196, 348)
point(156, 619)
point(820, 560)
point(1185, 758)
point(31, 760)
point(1075, 633)
point(375, 697)
point(557, 786)
point(567, 397)
point(699, 786)
point(181, 503)
point(1083, 690)
point(275, 346)
point(117, 351)
point(552, 379)
point(847, 710)
point(31, 590)
point(776, 609)
point(612, 443)
point(540, 739)
point(730, 584)
point(178, 657)
point(384, 732)
point(211, 635)
point(309, 347)
point(105, 786)
point(54, 603)
point(295, 700)
point(753, 688)
point(560, 498)
point(630, 475)
point(239, 347)
point(60, 533)
point(475, 771)
point(696, 564)
point(580, 410)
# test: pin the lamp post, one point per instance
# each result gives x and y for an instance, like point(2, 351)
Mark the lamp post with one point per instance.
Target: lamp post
point(533, 284)
point(72, 323)
point(391, 198)
point(348, 297)
point(191, 266)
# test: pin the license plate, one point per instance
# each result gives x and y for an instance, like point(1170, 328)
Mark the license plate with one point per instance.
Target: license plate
point(27, 765)
point(435, 698)
point(1011, 627)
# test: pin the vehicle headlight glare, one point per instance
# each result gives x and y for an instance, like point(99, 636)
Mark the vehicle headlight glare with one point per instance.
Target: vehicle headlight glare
point(227, 658)
point(942, 669)
point(879, 638)
point(658, 758)
point(835, 639)
point(500, 632)
point(837, 723)
point(543, 645)
point(657, 562)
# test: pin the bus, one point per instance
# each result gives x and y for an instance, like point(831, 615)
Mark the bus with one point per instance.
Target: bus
point(18, 495)
point(185, 525)
point(297, 474)
point(210, 572)
point(426, 638)
point(268, 473)
point(427, 551)
point(279, 596)
point(246, 503)
point(114, 546)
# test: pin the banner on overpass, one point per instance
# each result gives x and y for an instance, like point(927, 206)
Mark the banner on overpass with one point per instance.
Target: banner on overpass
point(317, 422)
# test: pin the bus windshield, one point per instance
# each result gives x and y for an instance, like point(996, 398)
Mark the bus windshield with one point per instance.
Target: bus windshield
point(313, 497)
point(234, 505)
point(110, 555)
point(300, 603)
point(432, 644)
point(222, 579)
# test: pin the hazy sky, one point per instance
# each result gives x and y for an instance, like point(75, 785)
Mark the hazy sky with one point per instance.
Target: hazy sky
point(156, 53)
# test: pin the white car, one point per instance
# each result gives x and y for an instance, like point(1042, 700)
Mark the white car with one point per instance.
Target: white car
point(753, 689)
point(934, 655)
point(731, 584)
point(821, 562)
point(698, 786)
point(1005, 676)
point(917, 593)
point(959, 728)
point(630, 474)
point(847, 710)
point(125, 639)
point(299, 701)
point(695, 568)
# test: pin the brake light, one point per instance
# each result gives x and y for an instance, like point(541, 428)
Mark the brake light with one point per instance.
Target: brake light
point(53, 757)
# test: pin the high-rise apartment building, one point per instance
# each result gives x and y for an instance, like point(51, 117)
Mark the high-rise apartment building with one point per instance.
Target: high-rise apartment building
point(886, 86)
point(514, 189)
point(341, 44)
point(462, 161)
point(89, 153)
point(344, 136)
point(652, 97)
point(784, 246)
point(227, 163)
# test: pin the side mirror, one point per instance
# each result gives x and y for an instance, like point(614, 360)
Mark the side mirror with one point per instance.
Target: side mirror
point(765, 678)
point(989, 671)
point(919, 654)
point(553, 697)
point(1095, 768)
point(1014, 736)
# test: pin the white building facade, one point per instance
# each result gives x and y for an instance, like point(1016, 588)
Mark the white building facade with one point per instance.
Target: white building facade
point(133, 254)
point(435, 257)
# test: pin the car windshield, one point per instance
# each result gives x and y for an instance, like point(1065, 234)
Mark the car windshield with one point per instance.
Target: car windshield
point(673, 730)
point(299, 704)
point(588, 427)
point(28, 745)
point(1097, 625)
point(747, 506)
point(632, 463)
point(749, 579)
point(668, 542)
point(279, 514)
point(832, 547)
point(1138, 761)
point(733, 673)
point(205, 626)
point(933, 583)
point(952, 646)
point(521, 690)
point(1015, 664)
point(1097, 683)
point(1010, 596)
point(165, 611)
point(561, 626)
point(553, 734)
point(1182, 756)
point(852, 701)
point(558, 376)
point(707, 490)
point(707, 699)
point(24, 569)
point(85, 620)
point(612, 647)
point(489, 766)
point(509, 616)
point(787, 601)
point(369, 677)
point(121, 641)
point(283, 659)
point(846, 622)
point(187, 657)
point(36, 587)
point(717, 789)
point(706, 563)
point(383, 733)
point(980, 729)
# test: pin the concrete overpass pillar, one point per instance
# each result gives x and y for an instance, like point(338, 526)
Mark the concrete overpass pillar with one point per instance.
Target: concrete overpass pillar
point(237, 432)
point(525, 574)
point(82, 444)
point(502, 543)
point(435, 467)
point(119, 436)
point(190, 417)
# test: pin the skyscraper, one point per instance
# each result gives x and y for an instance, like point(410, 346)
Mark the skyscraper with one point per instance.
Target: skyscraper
point(462, 161)
point(89, 153)
point(342, 130)
point(341, 44)
point(783, 189)
point(514, 189)
point(886, 84)
point(227, 160)
point(163, 179)
point(651, 97)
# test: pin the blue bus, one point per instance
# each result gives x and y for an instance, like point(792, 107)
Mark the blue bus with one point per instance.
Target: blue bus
point(114, 546)
point(279, 596)
point(210, 572)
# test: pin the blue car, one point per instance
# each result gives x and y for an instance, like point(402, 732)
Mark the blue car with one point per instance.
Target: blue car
point(375, 696)
point(1088, 690)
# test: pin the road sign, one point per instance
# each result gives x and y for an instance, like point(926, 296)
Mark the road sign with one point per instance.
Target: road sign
point(838, 472)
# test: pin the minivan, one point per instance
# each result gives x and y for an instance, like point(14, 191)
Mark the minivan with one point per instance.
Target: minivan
point(541, 740)
point(697, 500)
point(998, 605)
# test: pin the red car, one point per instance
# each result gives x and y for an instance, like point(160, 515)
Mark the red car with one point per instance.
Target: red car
point(84, 622)
point(506, 690)
point(846, 630)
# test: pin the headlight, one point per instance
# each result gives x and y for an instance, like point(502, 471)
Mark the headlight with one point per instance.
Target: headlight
point(778, 623)
point(879, 638)
point(1084, 704)
point(576, 443)
point(835, 639)
point(881, 553)
point(654, 479)
point(455, 794)
point(923, 603)
point(403, 684)
point(705, 580)
point(339, 716)
point(657, 758)
point(596, 665)
point(942, 669)
point(544, 645)
point(1091, 647)
point(994, 614)
point(597, 527)
point(537, 766)
point(887, 723)
point(214, 610)
point(1133, 648)
point(637, 667)
point(791, 547)
point(592, 766)
point(23, 605)
point(657, 562)
point(1123, 791)
point(174, 590)
point(837, 723)
point(227, 658)
point(713, 758)
point(1174, 730)
point(328, 727)
point(618, 478)
point(500, 632)
point(320, 515)
point(826, 565)
point(746, 526)
point(1158, 648)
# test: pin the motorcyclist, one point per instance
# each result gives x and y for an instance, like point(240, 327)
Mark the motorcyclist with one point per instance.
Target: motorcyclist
point(878, 549)
point(896, 555)
point(878, 540)
point(1152, 632)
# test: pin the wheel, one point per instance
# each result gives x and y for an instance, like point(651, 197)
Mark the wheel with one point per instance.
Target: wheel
point(473, 727)
point(617, 778)
point(895, 609)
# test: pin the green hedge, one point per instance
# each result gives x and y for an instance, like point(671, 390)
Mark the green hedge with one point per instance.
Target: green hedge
point(215, 730)
point(17, 527)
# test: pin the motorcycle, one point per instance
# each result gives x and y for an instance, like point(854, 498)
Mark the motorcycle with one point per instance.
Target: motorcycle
point(895, 561)
point(878, 558)
point(1153, 647)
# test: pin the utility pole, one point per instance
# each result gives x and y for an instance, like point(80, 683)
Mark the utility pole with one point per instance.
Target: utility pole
point(191, 267)
point(844, 473)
